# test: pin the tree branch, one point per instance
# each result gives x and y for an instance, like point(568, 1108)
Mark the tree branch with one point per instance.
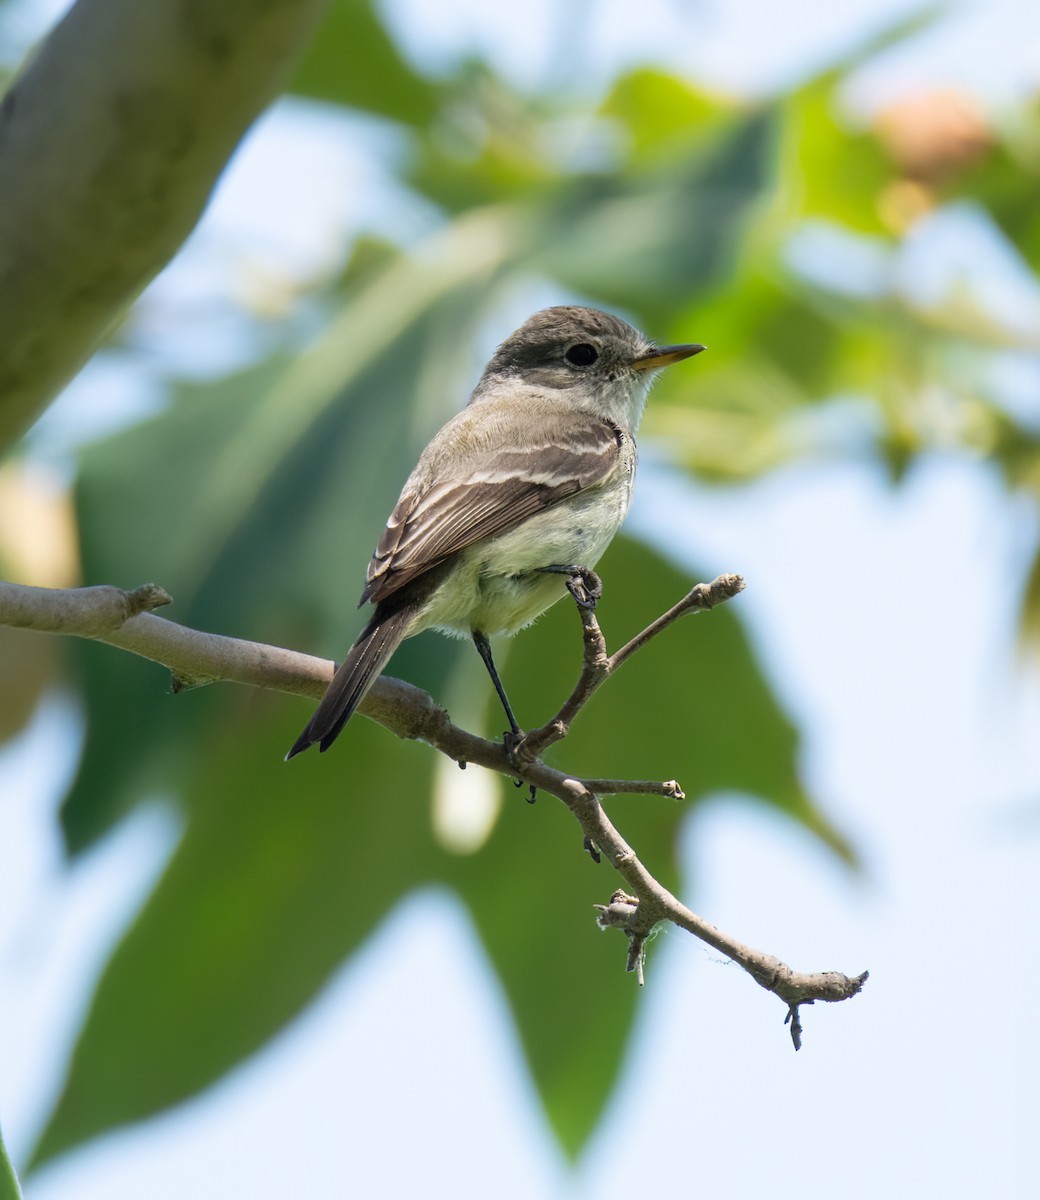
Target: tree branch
point(598, 666)
point(110, 143)
point(125, 620)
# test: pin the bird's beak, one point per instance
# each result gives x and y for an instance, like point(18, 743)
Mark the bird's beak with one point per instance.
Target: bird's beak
point(664, 356)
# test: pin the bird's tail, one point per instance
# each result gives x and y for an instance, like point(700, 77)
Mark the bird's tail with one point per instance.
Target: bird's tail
point(359, 670)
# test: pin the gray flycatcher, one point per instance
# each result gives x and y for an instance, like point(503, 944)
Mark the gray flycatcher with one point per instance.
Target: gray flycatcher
point(512, 503)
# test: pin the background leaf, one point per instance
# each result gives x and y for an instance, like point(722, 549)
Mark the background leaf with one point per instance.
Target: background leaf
point(280, 874)
point(9, 1189)
point(352, 61)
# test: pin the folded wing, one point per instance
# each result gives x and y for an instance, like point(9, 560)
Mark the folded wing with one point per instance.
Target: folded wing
point(490, 491)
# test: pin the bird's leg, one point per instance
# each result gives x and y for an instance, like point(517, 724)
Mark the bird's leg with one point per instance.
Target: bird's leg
point(484, 650)
point(582, 582)
point(515, 734)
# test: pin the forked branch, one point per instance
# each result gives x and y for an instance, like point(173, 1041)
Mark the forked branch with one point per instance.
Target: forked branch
point(126, 620)
point(597, 666)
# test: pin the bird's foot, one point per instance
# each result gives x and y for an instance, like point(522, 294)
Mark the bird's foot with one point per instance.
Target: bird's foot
point(512, 741)
point(586, 587)
point(583, 584)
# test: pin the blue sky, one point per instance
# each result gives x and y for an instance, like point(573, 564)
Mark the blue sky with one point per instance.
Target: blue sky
point(887, 621)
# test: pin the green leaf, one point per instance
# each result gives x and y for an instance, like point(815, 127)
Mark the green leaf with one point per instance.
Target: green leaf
point(651, 242)
point(352, 60)
point(730, 416)
point(530, 892)
point(828, 170)
point(9, 1189)
point(729, 423)
point(1005, 183)
point(660, 113)
point(282, 872)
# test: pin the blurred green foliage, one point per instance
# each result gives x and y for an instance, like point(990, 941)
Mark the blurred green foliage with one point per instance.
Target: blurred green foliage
point(256, 501)
point(9, 1189)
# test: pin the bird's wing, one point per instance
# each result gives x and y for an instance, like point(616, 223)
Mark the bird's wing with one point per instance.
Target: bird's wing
point(490, 490)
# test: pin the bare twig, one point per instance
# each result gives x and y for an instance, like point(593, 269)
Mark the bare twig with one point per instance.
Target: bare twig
point(124, 619)
point(635, 787)
point(598, 666)
point(655, 903)
point(702, 598)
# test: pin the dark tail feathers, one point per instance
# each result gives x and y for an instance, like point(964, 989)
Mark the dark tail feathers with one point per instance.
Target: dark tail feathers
point(364, 662)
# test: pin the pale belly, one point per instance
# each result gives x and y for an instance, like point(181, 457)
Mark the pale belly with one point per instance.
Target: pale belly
point(499, 586)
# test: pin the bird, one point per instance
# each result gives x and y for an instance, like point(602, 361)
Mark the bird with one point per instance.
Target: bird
point(511, 504)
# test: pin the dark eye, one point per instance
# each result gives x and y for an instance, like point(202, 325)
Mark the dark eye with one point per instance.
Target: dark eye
point(582, 355)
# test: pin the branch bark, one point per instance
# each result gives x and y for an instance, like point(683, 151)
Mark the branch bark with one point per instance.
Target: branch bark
point(126, 620)
point(111, 141)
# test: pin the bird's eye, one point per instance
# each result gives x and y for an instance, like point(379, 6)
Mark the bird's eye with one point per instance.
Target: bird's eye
point(582, 355)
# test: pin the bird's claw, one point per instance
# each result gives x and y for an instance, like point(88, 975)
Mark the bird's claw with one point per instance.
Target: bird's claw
point(586, 587)
point(583, 584)
point(512, 741)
